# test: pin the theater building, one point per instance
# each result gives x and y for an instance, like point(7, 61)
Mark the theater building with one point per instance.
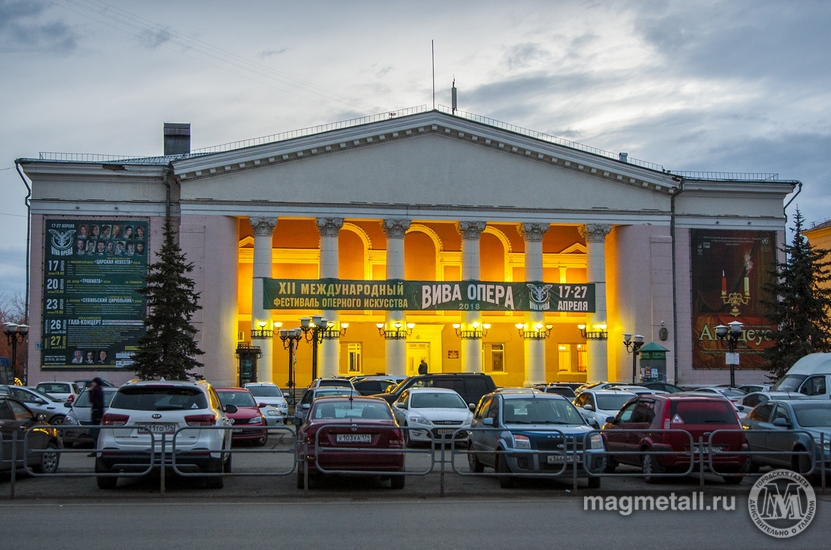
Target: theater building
point(470, 244)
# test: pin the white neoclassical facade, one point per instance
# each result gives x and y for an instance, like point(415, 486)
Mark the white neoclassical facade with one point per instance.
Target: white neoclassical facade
point(427, 197)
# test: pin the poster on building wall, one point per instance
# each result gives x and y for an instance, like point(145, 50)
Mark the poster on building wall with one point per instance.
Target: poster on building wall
point(92, 316)
point(337, 294)
point(729, 269)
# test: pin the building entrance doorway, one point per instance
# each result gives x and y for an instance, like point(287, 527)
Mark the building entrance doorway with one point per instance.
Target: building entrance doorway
point(416, 351)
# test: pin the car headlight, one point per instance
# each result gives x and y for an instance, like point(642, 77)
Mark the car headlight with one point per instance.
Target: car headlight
point(417, 419)
point(71, 420)
point(273, 412)
point(595, 441)
point(522, 442)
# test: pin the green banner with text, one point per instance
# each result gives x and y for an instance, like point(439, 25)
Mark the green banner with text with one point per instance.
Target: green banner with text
point(337, 294)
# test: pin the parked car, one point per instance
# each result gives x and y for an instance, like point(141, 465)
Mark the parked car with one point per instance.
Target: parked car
point(52, 409)
point(794, 423)
point(355, 434)
point(598, 405)
point(247, 414)
point(371, 385)
point(331, 382)
point(15, 421)
point(811, 376)
point(470, 385)
point(632, 430)
point(534, 432)
point(663, 386)
point(80, 415)
point(276, 410)
point(313, 393)
point(757, 398)
point(751, 388)
point(87, 382)
point(65, 391)
point(639, 390)
point(722, 391)
point(161, 408)
point(559, 389)
point(437, 411)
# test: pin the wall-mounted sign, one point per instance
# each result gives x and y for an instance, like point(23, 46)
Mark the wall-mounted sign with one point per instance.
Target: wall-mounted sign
point(92, 316)
point(452, 354)
point(336, 294)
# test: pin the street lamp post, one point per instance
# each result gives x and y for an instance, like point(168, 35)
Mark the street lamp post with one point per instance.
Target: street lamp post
point(315, 330)
point(290, 338)
point(732, 334)
point(15, 332)
point(633, 347)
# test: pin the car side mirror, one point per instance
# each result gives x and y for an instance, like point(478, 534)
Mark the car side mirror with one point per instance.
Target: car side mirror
point(487, 422)
point(67, 404)
point(304, 405)
point(781, 422)
point(594, 424)
point(471, 406)
point(296, 421)
point(401, 406)
point(588, 407)
point(610, 419)
point(231, 409)
point(261, 405)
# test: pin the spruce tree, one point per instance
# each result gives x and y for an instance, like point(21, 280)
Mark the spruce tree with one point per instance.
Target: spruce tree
point(167, 350)
point(799, 305)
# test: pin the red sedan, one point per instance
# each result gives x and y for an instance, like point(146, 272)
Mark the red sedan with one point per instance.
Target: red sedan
point(247, 414)
point(350, 435)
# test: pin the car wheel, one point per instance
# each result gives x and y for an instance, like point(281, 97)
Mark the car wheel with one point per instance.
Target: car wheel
point(49, 460)
point(505, 481)
point(802, 464)
point(473, 461)
point(57, 420)
point(593, 482)
point(651, 467)
point(215, 482)
point(397, 482)
point(300, 482)
point(104, 482)
point(262, 441)
point(407, 442)
point(227, 466)
point(611, 465)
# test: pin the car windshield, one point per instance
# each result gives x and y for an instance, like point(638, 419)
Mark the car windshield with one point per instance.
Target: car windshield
point(703, 412)
point(45, 395)
point(83, 400)
point(350, 410)
point(436, 400)
point(52, 387)
point(265, 391)
point(335, 392)
point(159, 398)
point(611, 402)
point(812, 415)
point(791, 382)
point(540, 411)
point(238, 398)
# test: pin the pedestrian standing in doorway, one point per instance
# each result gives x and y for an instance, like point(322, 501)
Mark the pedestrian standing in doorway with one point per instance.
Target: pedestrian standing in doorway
point(96, 399)
point(422, 367)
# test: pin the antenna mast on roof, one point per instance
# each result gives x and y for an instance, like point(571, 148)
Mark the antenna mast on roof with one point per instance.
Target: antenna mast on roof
point(453, 95)
point(433, 55)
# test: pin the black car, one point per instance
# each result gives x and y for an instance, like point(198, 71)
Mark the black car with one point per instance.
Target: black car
point(663, 386)
point(15, 421)
point(470, 385)
point(559, 389)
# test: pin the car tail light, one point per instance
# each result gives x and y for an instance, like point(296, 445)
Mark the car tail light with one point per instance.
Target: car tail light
point(396, 440)
point(200, 420)
point(71, 398)
point(114, 419)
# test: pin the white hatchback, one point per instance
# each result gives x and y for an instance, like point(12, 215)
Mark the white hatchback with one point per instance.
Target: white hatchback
point(274, 399)
point(432, 414)
point(164, 409)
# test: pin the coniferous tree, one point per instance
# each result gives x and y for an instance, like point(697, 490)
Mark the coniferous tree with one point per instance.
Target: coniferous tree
point(798, 304)
point(167, 349)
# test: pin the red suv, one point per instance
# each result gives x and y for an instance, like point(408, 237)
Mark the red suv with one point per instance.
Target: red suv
point(699, 415)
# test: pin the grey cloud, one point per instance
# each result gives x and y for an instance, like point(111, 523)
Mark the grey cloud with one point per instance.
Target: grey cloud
point(156, 37)
point(268, 53)
point(522, 56)
point(20, 31)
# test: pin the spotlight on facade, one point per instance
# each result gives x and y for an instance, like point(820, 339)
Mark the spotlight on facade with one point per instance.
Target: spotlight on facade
point(538, 332)
point(598, 332)
point(472, 331)
point(397, 331)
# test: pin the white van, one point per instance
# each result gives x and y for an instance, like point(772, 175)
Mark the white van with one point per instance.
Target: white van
point(809, 376)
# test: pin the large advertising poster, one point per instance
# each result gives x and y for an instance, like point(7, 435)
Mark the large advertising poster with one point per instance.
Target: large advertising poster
point(729, 269)
point(92, 316)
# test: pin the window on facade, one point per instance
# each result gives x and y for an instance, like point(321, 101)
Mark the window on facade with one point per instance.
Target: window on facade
point(498, 357)
point(582, 358)
point(354, 357)
point(564, 357)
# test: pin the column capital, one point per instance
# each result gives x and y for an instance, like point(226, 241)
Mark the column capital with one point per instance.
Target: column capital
point(395, 228)
point(533, 231)
point(470, 231)
point(263, 226)
point(595, 232)
point(329, 227)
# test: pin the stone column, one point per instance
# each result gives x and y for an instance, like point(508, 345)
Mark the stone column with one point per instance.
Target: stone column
point(595, 234)
point(263, 230)
point(471, 347)
point(534, 348)
point(329, 349)
point(396, 348)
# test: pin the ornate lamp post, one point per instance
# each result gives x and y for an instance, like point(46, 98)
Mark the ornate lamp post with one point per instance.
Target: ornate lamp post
point(315, 330)
point(732, 335)
point(472, 331)
point(290, 338)
point(15, 332)
point(538, 332)
point(633, 347)
point(397, 331)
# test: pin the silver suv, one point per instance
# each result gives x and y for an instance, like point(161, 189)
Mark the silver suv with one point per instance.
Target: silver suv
point(165, 408)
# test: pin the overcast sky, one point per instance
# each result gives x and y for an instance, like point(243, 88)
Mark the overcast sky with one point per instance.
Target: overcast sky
point(733, 86)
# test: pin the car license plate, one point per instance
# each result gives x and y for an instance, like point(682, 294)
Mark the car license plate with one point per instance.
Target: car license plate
point(446, 431)
point(159, 428)
point(354, 438)
point(237, 430)
point(560, 459)
point(701, 449)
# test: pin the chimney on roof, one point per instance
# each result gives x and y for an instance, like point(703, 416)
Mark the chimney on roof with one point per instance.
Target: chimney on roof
point(624, 157)
point(176, 138)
